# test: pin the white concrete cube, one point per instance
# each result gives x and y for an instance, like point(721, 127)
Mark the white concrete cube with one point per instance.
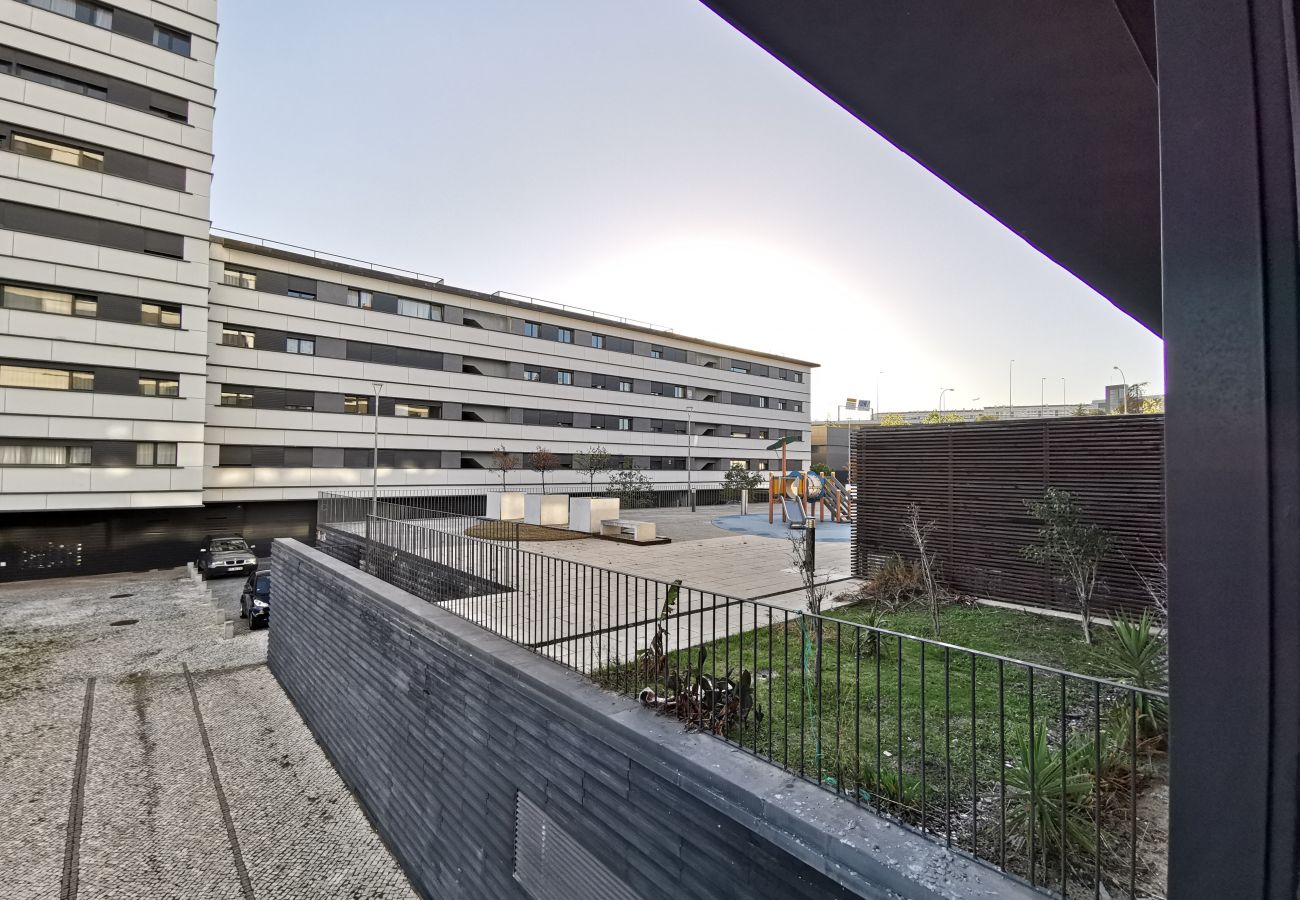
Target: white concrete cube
point(505, 506)
point(586, 513)
point(546, 509)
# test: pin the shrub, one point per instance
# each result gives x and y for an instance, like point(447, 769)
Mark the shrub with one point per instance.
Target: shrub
point(1037, 796)
point(897, 582)
point(1137, 653)
point(631, 488)
point(1076, 547)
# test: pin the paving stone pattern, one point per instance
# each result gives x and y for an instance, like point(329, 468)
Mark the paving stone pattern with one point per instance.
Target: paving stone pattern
point(151, 822)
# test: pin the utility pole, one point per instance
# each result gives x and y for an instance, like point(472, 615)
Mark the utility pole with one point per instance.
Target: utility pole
point(374, 472)
point(690, 439)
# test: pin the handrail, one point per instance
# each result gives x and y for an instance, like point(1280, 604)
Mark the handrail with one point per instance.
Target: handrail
point(325, 256)
point(565, 307)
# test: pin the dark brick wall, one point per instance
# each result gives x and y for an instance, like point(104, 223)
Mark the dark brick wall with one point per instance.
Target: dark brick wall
point(436, 724)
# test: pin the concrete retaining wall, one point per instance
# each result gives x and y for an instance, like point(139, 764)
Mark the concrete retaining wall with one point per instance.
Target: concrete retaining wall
point(444, 731)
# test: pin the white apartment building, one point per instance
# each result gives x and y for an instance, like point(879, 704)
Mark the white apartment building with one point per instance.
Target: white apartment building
point(157, 383)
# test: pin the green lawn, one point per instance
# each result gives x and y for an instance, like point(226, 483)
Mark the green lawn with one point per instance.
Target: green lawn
point(902, 727)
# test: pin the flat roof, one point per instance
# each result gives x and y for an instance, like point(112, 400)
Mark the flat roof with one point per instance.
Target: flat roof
point(412, 279)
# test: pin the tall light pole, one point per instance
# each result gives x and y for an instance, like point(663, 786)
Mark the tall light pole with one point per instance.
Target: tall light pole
point(690, 439)
point(1064, 402)
point(878, 374)
point(1042, 398)
point(1011, 410)
point(1123, 380)
point(941, 393)
point(374, 472)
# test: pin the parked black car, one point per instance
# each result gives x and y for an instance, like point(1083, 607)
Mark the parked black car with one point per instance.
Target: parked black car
point(226, 554)
point(255, 602)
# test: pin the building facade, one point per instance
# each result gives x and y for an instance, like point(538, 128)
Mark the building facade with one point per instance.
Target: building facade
point(157, 384)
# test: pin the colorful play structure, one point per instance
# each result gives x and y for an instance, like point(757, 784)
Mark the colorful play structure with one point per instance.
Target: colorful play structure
point(804, 495)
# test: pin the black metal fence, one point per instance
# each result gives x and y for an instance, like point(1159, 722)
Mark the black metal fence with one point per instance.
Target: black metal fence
point(1031, 769)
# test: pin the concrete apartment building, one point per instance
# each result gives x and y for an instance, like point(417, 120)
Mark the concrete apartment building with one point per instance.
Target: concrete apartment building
point(157, 384)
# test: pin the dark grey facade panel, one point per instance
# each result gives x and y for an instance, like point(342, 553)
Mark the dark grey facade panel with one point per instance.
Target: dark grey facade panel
point(299, 457)
point(453, 315)
point(329, 292)
point(451, 411)
point(450, 459)
point(333, 348)
point(328, 402)
point(113, 453)
point(272, 282)
point(115, 90)
point(72, 227)
point(640, 386)
point(269, 339)
point(132, 25)
point(385, 303)
point(327, 457)
point(582, 379)
point(116, 162)
point(452, 362)
point(118, 309)
point(268, 456)
point(640, 348)
point(303, 285)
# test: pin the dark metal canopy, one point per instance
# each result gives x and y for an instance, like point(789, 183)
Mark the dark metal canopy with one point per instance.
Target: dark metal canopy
point(1043, 114)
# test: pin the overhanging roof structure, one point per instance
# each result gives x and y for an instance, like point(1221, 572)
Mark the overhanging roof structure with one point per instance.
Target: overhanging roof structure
point(1042, 114)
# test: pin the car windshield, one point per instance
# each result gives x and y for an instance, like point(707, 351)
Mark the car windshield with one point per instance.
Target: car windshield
point(263, 585)
point(227, 545)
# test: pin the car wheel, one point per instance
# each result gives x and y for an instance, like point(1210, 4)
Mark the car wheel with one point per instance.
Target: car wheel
point(243, 613)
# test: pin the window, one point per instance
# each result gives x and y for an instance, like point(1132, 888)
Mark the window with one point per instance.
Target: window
point(679, 392)
point(418, 309)
point(302, 295)
point(40, 76)
point(741, 370)
point(780, 404)
point(152, 454)
point(236, 397)
point(80, 10)
point(796, 406)
point(532, 375)
point(762, 465)
point(239, 278)
point(532, 329)
point(236, 337)
point(412, 410)
point(739, 433)
point(762, 402)
point(57, 302)
point(54, 152)
point(356, 403)
point(159, 386)
point(28, 455)
point(48, 379)
point(624, 424)
point(359, 298)
point(625, 387)
point(598, 341)
point(564, 335)
point(163, 315)
point(738, 464)
point(762, 435)
point(563, 377)
point(299, 401)
point(171, 40)
point(656, 352)
point(304, 345)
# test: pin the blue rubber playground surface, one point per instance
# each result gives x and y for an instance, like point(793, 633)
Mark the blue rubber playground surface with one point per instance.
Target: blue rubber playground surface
point(756, 524)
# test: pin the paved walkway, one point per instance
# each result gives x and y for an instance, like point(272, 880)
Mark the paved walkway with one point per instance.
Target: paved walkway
point(157, 760)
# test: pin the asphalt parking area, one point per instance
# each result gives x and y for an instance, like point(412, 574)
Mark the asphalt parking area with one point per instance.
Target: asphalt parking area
point(143, 755)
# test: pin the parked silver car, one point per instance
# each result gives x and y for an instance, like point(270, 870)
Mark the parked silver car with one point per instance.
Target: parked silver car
point(227, 554)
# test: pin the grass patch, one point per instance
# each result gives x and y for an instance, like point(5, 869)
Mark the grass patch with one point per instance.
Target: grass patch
point(508, 531)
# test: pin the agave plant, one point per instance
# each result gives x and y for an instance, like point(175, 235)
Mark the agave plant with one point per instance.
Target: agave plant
point(1137, 653)
point(1055, 806)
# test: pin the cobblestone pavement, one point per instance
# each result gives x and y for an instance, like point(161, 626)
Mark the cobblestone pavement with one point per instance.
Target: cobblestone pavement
point(110, 736)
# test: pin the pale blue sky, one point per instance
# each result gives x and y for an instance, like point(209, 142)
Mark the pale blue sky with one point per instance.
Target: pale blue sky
point(646, 160)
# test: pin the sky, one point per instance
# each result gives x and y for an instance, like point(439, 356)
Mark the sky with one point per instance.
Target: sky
point(644, 160)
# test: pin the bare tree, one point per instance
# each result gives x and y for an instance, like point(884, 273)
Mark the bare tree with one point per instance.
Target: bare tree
point(504, 461)
point(542, 461)
point(593, 461)
point(1075, 546)
point(919, 533)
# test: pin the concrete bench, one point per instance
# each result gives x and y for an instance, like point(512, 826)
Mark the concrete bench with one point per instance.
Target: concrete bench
point(640, 532)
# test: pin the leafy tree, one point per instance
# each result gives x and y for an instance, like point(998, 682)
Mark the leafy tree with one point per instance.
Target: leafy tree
point(542, 461)
point(936, 418)
point(631, 488)
point(1082, 410)
point(738, 479)
point(593, 461)
point(1075, 546)
point(822, 469)
point(1138, 402)
point(893, 420)
point(504, 461)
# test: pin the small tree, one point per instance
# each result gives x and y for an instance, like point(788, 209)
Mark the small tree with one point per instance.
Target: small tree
point(738, 479)
point(631, 488)
point(892, 420)
point(542, 461)
point(504, 461)
point(919, 533)
point(593, 461)
point(1075, 546)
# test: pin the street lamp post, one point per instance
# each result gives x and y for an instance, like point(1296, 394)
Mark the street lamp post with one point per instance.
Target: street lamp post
point(690, 439)
point(1124, 381)
point(941, 393)
point(877, 413)
point(374, 471)
point(1011, 410)
point(1042, 398)
point(1064, 402)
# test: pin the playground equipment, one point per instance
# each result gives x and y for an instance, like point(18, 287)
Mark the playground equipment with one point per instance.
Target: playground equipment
point(803, 495)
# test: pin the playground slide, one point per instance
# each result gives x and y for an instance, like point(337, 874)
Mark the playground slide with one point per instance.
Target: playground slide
point(793, 510)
